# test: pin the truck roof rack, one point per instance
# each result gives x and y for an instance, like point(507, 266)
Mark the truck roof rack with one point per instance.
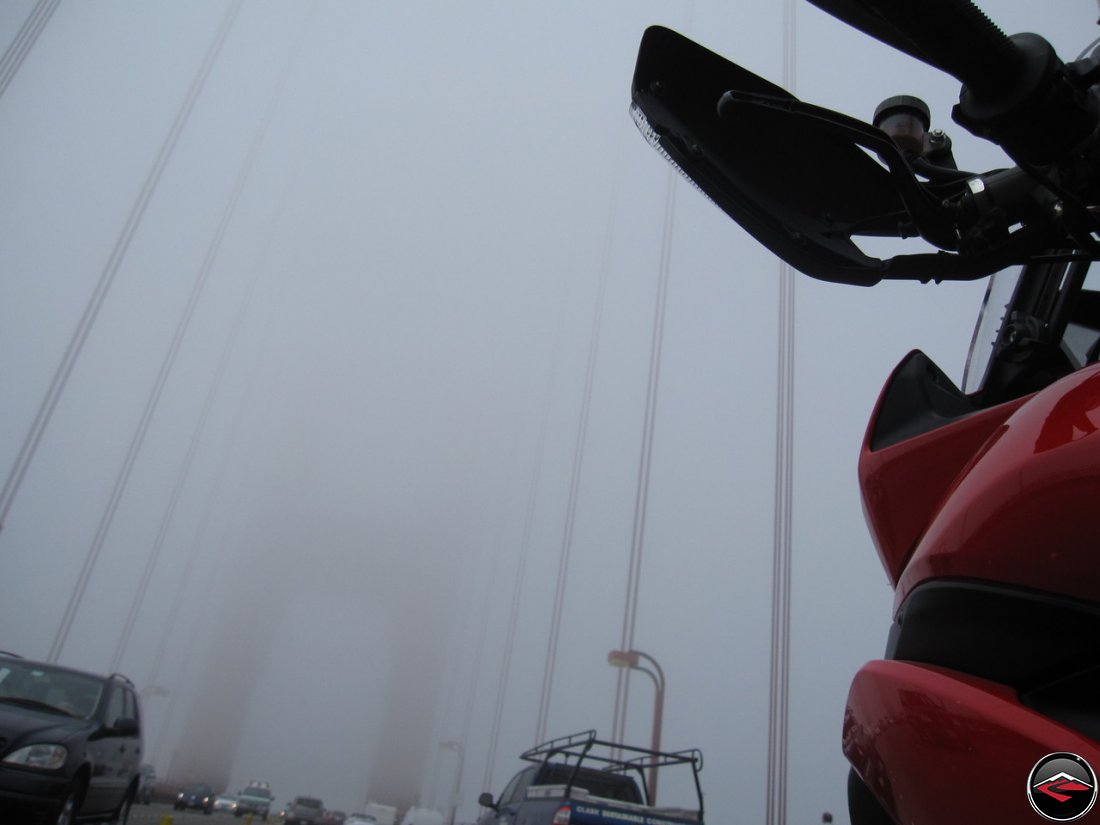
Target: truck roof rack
point(613, 757)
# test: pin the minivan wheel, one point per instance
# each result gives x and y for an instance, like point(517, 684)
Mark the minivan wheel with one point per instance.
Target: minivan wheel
point(123, 814)
point(67, 811)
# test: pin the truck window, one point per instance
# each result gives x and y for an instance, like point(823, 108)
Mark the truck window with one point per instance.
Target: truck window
point(598, 783)
point(517, 788)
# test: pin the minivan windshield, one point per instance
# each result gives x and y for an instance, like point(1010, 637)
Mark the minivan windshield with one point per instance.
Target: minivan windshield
point(53, 690)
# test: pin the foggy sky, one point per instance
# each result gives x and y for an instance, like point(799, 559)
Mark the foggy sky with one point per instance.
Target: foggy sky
point(393, 342)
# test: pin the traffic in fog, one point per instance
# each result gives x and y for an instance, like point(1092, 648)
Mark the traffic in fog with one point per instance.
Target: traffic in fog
point(380, 408)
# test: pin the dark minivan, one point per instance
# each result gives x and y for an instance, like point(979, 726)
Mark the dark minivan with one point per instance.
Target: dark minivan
point(70, 743)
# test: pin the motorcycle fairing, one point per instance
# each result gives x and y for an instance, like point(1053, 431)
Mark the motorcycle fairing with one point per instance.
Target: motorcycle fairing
point(937, 745)
point(999, 482)
point(1024, 511)
point(923, 433)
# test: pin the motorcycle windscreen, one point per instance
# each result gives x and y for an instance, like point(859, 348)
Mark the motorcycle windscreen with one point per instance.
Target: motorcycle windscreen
point(798, 183)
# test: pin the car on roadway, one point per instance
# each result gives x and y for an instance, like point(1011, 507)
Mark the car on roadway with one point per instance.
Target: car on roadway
point(255, 799)
point(304, 810)
point(360, 819)
point(196, 796)
point(146, 784)
point(333, 817)
point(70, 742)
point(225, 802)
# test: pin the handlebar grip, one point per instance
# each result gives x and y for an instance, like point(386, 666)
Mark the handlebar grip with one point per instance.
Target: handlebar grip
point(1014, 88)
point(951, 35)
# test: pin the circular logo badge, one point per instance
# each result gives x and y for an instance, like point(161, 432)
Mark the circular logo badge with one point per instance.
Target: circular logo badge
point(1062, 787)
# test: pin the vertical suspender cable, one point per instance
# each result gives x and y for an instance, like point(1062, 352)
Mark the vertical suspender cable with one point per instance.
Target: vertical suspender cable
point(85, 326)
point(630, 607)
point(196, 437)
point(214, 494)
point(521, 566)
point(517, 585)
point(510, 632)
point(566, 547)
point(641, 496)
point(776, 808)
point(107, 276)
point(578, 460)
point(25, 38)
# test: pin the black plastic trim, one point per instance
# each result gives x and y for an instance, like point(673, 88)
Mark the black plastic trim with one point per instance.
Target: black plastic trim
point(919, 398)
point(1045, 647)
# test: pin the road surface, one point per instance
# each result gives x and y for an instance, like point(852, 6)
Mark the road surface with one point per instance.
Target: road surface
point(154, 815)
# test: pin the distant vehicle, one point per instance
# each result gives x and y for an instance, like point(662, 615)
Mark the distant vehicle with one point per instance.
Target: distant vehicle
point(360, 819)
point(225, 802)
point(256, 798)
point(146, 783)
point(581, 780)
point(334, 817)
point(382, 814)
point(197, 797)
point(70, 743)
point(304, 810)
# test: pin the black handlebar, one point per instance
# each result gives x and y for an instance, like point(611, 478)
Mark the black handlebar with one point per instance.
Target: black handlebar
point(1016, 91)
point(802, 180)
point(953, 36)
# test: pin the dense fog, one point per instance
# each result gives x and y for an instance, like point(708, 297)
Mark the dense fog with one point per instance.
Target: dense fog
point(338, 333)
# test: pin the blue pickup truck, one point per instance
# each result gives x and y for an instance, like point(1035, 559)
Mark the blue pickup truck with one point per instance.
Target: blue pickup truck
point(582, 780)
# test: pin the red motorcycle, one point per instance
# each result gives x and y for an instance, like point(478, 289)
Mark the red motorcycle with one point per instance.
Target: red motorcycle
point(983, 501)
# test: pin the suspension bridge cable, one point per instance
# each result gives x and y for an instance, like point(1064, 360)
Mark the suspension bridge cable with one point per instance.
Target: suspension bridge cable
point(528, 521)
point(25, 38)
point(645, 460)
point(136, 441)
point(566, 547)
point(778, 705)
point(517, 584)
point(472, 694)
point(106, 278)
point(215, 493)
point(641, 497)
point(192, 448)
point(196, 438)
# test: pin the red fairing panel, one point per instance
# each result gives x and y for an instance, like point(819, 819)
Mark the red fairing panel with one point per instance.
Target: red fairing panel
point(902, 485)
point(935, 745)
point(1027, 509)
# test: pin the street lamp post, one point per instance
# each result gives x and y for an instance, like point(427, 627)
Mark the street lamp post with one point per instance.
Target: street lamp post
point(451, 745)
point(630, 659)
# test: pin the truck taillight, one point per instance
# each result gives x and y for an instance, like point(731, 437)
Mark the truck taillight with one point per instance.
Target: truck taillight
point(562, 814)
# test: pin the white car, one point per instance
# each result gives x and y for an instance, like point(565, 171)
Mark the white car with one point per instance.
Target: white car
point(360, 819)
point(225, 802)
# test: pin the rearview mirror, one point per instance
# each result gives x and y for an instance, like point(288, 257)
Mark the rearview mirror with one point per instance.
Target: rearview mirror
point(125, 726)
